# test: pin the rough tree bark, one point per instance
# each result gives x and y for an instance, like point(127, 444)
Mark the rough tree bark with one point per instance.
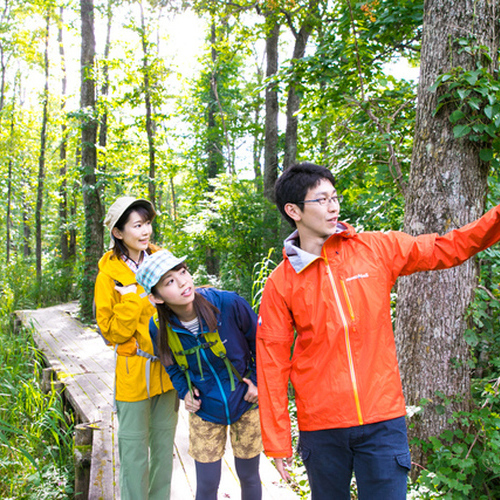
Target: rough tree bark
point(447, 186)
point(93, 243)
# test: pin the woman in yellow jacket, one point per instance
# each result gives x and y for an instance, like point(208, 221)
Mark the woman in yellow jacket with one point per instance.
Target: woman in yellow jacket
point(146, 402)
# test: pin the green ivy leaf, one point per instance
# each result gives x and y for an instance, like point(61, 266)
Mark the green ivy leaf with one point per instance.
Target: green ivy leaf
point(456, 115)
point(485, 155)
point(460, 130)
point(463, 93)
point(475, 102)
point(488, 111)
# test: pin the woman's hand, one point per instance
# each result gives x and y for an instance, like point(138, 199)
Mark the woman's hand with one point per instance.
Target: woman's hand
point(252, 395)
point(192, 403)
point(126, 289)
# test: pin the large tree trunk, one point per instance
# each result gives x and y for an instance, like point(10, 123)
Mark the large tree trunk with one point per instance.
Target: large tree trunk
point(93, 243)
point(446, 190)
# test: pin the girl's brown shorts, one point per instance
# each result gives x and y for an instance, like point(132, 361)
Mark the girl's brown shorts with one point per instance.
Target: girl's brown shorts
point(207, 441)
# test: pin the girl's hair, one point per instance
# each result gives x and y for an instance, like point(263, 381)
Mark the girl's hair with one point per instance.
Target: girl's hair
point(205, 311)
point(145, 214)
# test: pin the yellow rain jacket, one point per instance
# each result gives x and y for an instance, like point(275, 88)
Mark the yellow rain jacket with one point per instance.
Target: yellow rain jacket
point(124, 320)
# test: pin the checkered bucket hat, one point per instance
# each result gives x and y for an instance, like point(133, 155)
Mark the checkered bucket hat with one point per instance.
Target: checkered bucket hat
point(155, 266)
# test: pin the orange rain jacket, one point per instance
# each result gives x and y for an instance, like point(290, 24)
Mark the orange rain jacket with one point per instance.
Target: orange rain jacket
point(344, 367)
point(124, 320)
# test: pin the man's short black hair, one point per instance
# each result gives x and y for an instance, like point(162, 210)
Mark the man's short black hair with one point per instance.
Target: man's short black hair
point(294, 183)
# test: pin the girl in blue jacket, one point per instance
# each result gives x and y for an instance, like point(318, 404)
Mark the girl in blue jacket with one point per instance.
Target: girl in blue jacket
point(205, 338)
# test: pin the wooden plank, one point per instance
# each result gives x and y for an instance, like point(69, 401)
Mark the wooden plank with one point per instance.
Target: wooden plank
point(86, 366)
point(104, 466)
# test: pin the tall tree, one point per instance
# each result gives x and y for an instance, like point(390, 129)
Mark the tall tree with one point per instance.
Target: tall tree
point(8, 219)
point(63, 184)
point(41, 158)
point(447, 189)
point(103, 122)
point(307, 23)
point(272, 28)
point(150, 123)
point(93, 243)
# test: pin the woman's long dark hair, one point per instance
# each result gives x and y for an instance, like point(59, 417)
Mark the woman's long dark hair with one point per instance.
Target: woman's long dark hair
point(205, 311)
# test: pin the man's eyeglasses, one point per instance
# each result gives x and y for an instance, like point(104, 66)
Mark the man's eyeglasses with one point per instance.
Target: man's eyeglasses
point(323, 201)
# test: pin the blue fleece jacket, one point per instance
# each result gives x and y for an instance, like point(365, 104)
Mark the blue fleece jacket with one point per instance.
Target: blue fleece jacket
point(236, 325)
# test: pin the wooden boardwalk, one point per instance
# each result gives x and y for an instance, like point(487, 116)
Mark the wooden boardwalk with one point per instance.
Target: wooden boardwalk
point(85, 365)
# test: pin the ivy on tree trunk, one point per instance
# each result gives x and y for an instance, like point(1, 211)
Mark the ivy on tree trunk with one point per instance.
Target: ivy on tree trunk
point(446, 190)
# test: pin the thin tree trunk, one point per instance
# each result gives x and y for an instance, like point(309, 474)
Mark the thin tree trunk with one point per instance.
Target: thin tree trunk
point(257, 149)
point(9, 191)
point(446, 190)
point(174, 198)
point(72, 231)
point(93, 243)
point(150, 124)
point(272, 109)
point(41, 161)
point(63, 188)
point(10, 175)
point(293, 99)
point(5, 18)
point(3, 66)
point(103, 124)
point(26, 228)
point(213, 149)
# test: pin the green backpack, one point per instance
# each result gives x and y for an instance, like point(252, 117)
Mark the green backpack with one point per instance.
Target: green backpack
point(212, 342)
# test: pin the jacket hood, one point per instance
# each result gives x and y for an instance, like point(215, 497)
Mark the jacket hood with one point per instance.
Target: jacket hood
point(116, 269)
point(300, 259)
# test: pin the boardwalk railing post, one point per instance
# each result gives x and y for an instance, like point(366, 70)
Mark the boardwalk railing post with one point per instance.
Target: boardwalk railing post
point(83, 459)
point(47, 374)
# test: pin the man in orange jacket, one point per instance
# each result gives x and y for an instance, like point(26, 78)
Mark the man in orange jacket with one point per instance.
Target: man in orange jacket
point(333, 289)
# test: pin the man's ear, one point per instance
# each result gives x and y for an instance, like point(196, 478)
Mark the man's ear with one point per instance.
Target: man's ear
point(155, 300)
point(117, 233)
point(293, 211)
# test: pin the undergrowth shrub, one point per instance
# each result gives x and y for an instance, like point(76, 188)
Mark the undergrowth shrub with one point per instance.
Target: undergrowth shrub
point(36, 444)
point(464, 462)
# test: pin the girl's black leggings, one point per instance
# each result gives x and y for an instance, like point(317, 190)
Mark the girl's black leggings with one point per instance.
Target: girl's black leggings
point(208, 479)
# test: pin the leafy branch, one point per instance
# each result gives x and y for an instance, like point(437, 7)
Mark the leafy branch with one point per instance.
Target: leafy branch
point(383, 127)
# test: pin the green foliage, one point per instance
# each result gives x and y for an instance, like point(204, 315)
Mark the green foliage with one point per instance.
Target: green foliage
point(36, 458)
point(262, 270)
point(473, 100)
point(356, 117)
point(227, 220)
point(20, 289)
point(464, 462)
